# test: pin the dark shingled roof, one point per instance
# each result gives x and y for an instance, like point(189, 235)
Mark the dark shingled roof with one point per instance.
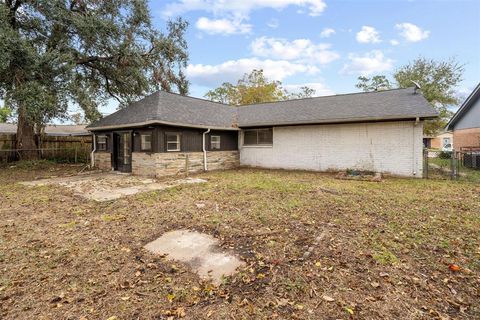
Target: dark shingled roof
point(174, 109)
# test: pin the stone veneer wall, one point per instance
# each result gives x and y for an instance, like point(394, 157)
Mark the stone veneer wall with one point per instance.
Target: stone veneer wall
point(177, 163)
point(103, 160)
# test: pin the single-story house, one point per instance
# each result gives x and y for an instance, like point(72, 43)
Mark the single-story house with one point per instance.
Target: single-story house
point(465, 123)
point(167, 133)
point(442, 141)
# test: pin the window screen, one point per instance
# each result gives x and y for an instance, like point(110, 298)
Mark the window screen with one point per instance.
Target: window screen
point(102, 143)
point(215, 142)
point(173, 141)
point(258, 137)
point(146, 141)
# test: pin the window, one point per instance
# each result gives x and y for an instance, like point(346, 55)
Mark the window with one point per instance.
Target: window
point(102, 143)
point(146, 141)
point(173, 141)
point(253, 137)
point(215, 142)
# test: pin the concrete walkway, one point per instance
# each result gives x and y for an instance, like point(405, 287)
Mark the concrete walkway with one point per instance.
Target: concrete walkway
point(110, 186)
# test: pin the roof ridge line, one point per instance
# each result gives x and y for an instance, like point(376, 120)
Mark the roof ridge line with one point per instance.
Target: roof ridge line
point(331, 95)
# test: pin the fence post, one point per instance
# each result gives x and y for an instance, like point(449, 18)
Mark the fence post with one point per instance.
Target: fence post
point(452, 166)
point(425, 163)
point(75, 154)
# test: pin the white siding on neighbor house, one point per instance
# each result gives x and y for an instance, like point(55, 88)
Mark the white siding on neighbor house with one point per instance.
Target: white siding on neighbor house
point(390, 147)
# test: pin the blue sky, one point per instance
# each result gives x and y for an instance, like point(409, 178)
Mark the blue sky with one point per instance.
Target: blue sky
point(325, 44)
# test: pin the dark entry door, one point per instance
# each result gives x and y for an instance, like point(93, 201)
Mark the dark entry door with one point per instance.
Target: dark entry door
point(123, 151)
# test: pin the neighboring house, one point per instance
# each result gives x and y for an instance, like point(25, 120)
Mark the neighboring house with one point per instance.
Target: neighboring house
point(50, 130)
point(442, 141)
point(167, 133)
point(465, 123)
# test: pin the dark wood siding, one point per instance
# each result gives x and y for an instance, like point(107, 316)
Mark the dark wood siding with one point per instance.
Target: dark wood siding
point(190, 138)
point(228, 140)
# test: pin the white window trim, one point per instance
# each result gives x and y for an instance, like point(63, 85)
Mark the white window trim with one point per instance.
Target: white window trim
point(141, 141)
point(212, 142)
point(179, 147)
point(103, 143)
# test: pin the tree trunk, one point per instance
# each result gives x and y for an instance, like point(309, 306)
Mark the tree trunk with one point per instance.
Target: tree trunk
point(26, 137)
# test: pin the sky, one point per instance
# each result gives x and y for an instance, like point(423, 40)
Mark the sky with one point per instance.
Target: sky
point(324, 44)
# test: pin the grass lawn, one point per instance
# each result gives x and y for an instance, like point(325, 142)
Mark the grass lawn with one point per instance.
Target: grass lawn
point(377, 250)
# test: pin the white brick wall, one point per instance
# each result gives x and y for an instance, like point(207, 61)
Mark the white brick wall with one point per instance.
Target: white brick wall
point(390, 147)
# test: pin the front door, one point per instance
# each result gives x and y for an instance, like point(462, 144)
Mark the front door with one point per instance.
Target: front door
point(123, 151)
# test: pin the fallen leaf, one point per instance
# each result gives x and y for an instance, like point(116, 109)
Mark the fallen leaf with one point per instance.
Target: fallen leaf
point(375, 284)
point(349, 310)
point(328, 298)
point(170, 297)
point(454, 267)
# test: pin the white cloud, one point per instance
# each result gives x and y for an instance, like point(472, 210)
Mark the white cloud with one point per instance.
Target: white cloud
point(394, 42)
point(298, 50)
point(368, 35)
point(222, 26)
point(411, 32)
point(274, 23)
point(231, 71)
point(320, 88)
point(240, 7)
point(367, 64)
point(327, 32)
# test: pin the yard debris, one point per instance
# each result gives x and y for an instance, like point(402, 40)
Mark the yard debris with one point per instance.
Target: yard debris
point(357, 260)
point(359, 175)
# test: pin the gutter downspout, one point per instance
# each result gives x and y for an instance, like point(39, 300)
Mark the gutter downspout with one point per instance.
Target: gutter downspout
point(92, 154)
point(205, 166)
point(415, 161)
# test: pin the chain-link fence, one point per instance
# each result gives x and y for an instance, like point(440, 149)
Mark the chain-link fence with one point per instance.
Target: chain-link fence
point(455, 165)
point(77, 154)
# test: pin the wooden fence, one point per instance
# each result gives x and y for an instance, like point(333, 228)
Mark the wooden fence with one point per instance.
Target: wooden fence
point(56, 148)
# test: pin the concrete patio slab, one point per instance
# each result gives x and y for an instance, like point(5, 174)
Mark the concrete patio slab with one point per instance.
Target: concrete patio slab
point(110, 186)
point(198, 250)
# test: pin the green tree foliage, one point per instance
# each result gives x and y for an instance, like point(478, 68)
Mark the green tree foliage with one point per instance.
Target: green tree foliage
point(4, 114)
point(437, 79)
point(57, 52)
point(253, 88)
point(375, 83)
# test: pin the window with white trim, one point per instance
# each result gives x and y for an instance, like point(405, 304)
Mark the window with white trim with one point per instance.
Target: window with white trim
point(102, 143)
point(215, 142)
point(146, 141)
point(173, 141)
point(258, 137)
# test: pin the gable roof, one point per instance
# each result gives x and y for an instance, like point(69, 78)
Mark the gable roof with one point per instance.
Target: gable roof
point(466, 105)
point(173, 109)
point(50, 130)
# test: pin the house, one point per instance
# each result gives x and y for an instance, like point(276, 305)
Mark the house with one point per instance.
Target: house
point(167, 133)
point(442, 141)
point(465, 123)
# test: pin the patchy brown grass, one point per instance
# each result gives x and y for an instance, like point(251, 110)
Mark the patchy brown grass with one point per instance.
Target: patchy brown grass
point(377, 250)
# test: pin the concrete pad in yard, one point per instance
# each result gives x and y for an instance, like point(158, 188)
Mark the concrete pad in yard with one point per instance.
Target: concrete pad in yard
point(110, 186)
point(200, 251)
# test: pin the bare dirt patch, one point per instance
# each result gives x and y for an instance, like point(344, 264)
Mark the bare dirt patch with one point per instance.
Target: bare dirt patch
point(315, 248)
point(109, 186)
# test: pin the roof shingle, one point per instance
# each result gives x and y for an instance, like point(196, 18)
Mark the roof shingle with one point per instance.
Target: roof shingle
point(174, 109)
